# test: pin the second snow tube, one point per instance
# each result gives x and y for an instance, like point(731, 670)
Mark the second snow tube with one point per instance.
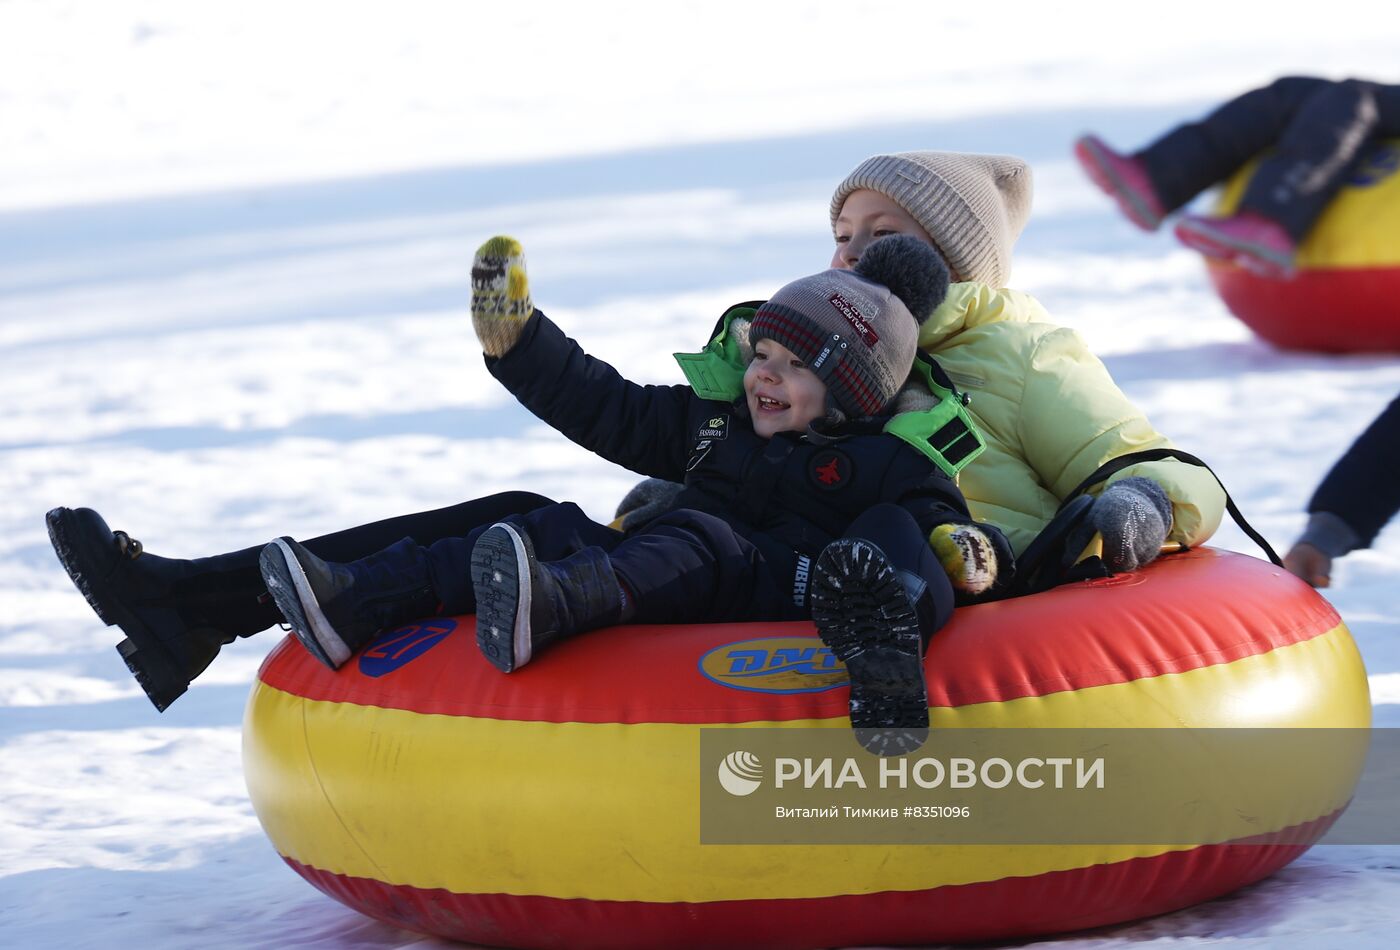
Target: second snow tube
point(1345, 297)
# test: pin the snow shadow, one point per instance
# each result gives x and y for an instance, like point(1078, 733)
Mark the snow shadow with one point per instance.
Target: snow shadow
point(70, 249)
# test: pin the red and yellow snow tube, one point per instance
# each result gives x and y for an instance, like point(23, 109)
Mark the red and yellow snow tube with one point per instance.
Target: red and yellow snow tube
point(558, 806)
point(1345, 297)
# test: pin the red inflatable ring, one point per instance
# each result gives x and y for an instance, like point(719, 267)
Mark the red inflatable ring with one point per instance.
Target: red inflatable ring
point(1345, 297)
point(557, 806)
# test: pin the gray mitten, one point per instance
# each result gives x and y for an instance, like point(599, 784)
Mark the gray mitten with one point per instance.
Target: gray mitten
point(1133, 516)
point(647, 499)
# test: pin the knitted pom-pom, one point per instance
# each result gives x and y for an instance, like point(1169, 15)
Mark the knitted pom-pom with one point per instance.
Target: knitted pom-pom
point(913, 271)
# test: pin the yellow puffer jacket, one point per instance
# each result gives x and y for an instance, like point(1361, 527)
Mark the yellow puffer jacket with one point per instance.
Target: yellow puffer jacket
point(1051, 415)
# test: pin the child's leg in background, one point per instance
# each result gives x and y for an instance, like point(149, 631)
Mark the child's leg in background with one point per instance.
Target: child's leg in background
point(424, 527)
point(556, 530)
point(447, 533)
point(335, 608)
point(553, 574)
point(895, 532)
point(691, 567)
point(1321, 145)
point(1197, 155)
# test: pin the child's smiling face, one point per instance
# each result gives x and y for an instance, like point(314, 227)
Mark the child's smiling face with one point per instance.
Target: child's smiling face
point(783, 393)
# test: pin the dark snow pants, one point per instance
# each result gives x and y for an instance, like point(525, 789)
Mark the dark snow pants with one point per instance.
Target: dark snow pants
point(687, 566)
point(1363, 488)
point(1318, 129)
point(234, 581)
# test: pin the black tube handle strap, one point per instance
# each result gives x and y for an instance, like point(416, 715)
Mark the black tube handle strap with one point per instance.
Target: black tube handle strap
point(1115, 465)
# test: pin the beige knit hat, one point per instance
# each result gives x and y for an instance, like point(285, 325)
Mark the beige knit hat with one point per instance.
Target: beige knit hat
point(973, 206)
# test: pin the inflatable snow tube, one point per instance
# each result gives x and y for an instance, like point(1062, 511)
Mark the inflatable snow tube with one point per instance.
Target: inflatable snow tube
point(1345, 297)
point(557, 806)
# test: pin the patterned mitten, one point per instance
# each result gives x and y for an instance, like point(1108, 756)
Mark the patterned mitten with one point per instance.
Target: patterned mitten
point(968, 556)
point(1133, 516)
point(500, 294)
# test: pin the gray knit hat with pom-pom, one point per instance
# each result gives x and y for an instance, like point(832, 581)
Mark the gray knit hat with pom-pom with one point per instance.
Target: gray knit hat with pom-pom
point(857, 329)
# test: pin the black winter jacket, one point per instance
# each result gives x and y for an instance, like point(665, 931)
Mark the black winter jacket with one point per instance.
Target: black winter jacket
point(795, 489)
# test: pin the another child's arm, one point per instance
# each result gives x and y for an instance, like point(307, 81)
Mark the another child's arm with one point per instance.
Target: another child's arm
point(640, 427)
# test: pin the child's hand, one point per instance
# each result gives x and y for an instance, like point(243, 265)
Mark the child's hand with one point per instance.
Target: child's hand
point(1133, 516)
point(1311, 564)
point(968, 556)
point(500, 294)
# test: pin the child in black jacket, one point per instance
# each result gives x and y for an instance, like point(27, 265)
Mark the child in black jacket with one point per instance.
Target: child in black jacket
point(794, 485)
point(769, 489)
point(796, 502)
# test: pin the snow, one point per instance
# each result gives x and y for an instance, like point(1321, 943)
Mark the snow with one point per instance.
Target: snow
point(234, 252)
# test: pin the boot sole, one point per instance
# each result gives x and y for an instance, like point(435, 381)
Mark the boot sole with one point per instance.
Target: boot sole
point(289, 587)
point(1255, 258)
point(501, 578)
point(154, 669)
point(1100, 171)
point(864, 616)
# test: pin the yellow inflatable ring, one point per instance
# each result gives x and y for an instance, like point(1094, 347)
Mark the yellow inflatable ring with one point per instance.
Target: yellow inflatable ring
point(557, 806)
point(1345, 296)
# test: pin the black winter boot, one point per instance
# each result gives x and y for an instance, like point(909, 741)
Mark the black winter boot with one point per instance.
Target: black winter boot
point(523, 604)
point(868, 613)
point(335, 609)
point(175, 613)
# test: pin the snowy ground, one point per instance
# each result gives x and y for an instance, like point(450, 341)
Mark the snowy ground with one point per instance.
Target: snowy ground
point(234, 250)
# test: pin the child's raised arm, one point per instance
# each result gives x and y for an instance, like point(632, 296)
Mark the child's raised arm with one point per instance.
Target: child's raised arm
point(643, 428)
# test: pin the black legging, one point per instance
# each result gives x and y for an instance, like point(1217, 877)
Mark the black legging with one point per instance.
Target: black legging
point(1317, 128)
point(235, 583)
